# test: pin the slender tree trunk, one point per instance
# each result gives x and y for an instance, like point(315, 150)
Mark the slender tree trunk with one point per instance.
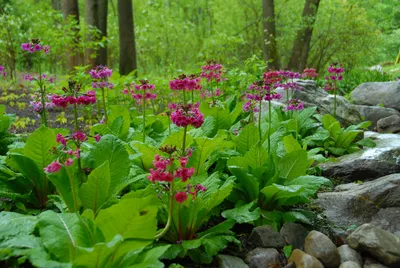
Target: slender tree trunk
point(127, 48)
point(301, 46)
point(71, 8)
point(56, 4)
point(92, 19)
point(102, 13)
point(269, 34)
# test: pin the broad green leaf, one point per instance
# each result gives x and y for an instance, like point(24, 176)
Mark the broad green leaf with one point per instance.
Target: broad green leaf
point(148, 258)
point(332, 125)
point(132, 218)
point(293, 165)
point(247, 139)
point(245, 182)
point(291, 144)
point(94, 192)
point(38, 147)
point(147, 154)
point(28, 168)
point(242, 214)
point(15, 224)
point(62, 234)
point(310, 183)
point(111, 149)
point(121, 112)
point(176, 139)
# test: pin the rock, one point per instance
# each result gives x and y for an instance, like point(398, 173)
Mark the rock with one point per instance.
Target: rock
point(263, 258)
point(356, 204)
point(367, 164)
point(227, 261)
point(349, 264)
point(390, 124)
point(290, 265)
point(348, 254)
point(294, 234)
point(374, 113)
point(311, 95)
point(266, 237)
point(371, 263)
point(381, 244)
point(321, 247)
point(303, 260)
point(378, 93)
point(388, 219)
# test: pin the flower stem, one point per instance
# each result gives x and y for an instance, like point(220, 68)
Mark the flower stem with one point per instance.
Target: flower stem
point(334, 104)
point(104, 104)
point(259, 122)
point(76, 127)
point(169, 221)
point(296, 115)
point(43, 115)
point(269, 126)
point(192, 96)
point(184, 97)
point(184, 140)
point(144, 116)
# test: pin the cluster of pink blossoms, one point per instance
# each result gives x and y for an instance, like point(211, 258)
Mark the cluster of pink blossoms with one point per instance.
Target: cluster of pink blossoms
point(289, 74)
point(67, 154)
point(84, 99)
point(144, 87)
point(336, 72)
point(295, 105)
point(262, 91)
point(101, 75)
point(309, 73)
point(3, 71)
point(43, 77)
point(183, 82)
point(166, 171)
point(211, 71)
point(185, 115)
point(36, 103)
point(34, 46)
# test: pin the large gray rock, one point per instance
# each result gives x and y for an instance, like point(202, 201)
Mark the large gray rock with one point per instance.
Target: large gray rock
point(349, 264)
point(378, 93)
point(383, 245)
point(356, 204)
point(389, 124)
point(371, 263)
point(294, 234)
point(312, 95)
point(304, 260)
point(367, 164)
point(321, 247)
point(348, 254)
point(263, 258)
point(227, 261)
point(265, 237)
point(374, 113)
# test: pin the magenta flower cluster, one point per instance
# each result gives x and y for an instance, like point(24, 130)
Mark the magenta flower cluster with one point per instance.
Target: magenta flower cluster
point(101, 75)
point(295, 105)
point(183, 82)
point(84, 99)
point(309, 73)
point(259, 91)
point(335, 70)
point(212, 71)
point(43, 77)
point(3, 71)
point(185, 115)
point(36, 103)
point(143, 91)
point(34, 46)
point(163, 170)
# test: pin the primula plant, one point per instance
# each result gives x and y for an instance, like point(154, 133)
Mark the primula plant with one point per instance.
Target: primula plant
point(335, 71)
point(100, 76)
point(3, 71)
point(212, 74)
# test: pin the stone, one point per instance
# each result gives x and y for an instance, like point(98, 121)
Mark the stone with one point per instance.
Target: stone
point(304, 260)
point(265, 237)
point(311, 95)
point(321, 247)
point(371, 263)
point(263, 258)
point(227, 261)
point(382, 245)
point(388, 219)
point(290, 265)
point(355, 204)
point(374, 113)
point(349, 264)
point(378, 93)
point(390, 124)
point(348, 254)
point(294, 234)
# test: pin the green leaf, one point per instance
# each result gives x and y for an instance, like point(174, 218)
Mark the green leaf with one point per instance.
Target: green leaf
point(293, 165)
point(291, 144)
point(247, 139)
point(246, 183)
point(368, 142)
point(332, 125)
point(62, 234)
point(147, 154)
point(122, 114)
point(176, 139)
point(15, 224)
point(148, 258)
point(94, 192)
point(242, 214)
point(132, 218)
point(111, 149)
point(38, 147)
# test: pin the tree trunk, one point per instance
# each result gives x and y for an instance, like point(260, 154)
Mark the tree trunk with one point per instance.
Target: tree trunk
point(301, 46)
point(71, 8)
point(269, 34)
point(92, 20)
point(56, 4)
point(127, 49)
point(102, 25)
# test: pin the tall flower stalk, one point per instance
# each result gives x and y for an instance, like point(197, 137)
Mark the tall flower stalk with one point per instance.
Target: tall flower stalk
point(212, 73)
point(101, 74)
point(335, 75)
point(295, 106)
point(33, 47)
